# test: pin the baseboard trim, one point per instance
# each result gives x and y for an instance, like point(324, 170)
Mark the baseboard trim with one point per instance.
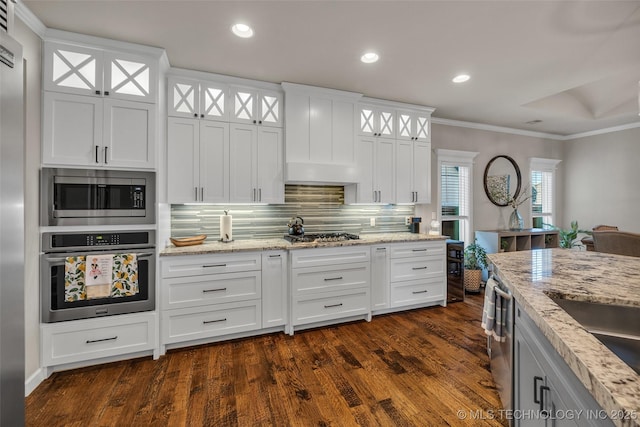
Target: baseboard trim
point(34, 381)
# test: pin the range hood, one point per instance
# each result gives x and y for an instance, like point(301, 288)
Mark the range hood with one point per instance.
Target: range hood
point(320, 173)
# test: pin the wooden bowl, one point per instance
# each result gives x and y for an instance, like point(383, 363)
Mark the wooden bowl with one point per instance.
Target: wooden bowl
point(188, 241)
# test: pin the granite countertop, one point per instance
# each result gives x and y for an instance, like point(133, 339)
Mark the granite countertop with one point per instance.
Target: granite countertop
point(586, 276)
point(281, 243)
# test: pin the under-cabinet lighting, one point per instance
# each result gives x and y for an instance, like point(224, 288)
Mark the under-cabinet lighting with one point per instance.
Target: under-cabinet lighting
point(242, 30)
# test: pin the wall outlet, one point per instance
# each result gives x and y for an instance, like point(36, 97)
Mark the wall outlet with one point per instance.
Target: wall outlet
point(372, 221)
point(407, 220)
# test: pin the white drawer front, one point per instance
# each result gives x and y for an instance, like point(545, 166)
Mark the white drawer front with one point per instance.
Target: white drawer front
point(418, 249)
point(80, 340)
point(189, 324)
point(322, 279)
point(417, 291)
point(329, 306)
point(329, 256)
point(416, 268)
point(186, 292)
point(198, 265)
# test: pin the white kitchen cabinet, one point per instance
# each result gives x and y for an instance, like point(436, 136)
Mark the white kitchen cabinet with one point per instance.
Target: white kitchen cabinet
point(414, 125)
point(191, 98)
point(320, 134)
point(204, 297)
point(376, 171)
point(329, 285)
point(377, 121)
point(256, 106)
point(413, 167)
point(380, 258)
point(92, 339)
point(94, 132)
point(255, 164)
point(97, 72)
point(417, 274)
point(197, 161)
point(545, 385)
point(275, 292)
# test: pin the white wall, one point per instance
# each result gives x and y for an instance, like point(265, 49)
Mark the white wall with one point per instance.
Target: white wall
point(31, 45)
point(602, 180)
point(487, 216)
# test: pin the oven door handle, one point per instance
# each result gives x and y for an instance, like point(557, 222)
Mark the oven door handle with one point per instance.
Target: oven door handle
point(62, 259)
point(503, 294)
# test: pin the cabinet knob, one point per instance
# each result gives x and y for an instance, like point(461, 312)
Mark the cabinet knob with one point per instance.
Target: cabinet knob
point(202, 115)
point(106, 93)
point(254, 122)
point(260, 122)
point(97, 92)
point(195, 114)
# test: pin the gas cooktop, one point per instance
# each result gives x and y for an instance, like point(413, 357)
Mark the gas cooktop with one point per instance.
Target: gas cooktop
point(321, 237)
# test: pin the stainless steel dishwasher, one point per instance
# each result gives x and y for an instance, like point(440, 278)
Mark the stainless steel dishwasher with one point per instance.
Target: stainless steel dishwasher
point(501, 353)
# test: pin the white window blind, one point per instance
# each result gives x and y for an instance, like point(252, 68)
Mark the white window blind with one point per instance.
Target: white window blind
point(455, 190)
point(542, 191)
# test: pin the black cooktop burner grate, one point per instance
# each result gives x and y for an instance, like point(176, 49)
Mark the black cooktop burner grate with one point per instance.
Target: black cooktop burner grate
point(321, 237)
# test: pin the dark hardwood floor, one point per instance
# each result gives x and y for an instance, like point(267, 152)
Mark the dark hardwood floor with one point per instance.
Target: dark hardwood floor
point(424, 367)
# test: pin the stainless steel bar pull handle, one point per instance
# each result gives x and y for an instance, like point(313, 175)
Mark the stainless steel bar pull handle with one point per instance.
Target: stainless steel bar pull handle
point(195, 194)
point(333, 305)
point(204, 291)
point(105, 155)
point(274, 256)
point(206, 322)
point(213, 265)
point(419, 250)
point(103, 339)
point(536, 399)
point(333, 278)
point(259, 194)
point(202, 194)
point(97, 161)
point(419, 292)
point(419, 268)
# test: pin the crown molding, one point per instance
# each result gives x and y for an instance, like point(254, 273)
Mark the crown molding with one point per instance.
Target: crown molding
point(29, 19)
point(493, 128)
point(602, 131)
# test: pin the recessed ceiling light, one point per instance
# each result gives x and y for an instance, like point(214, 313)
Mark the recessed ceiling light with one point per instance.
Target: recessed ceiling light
point(242, 30)
point(369, 57)
point(461, 78)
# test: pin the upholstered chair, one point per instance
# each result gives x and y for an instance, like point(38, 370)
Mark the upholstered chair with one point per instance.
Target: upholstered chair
point(617, 242)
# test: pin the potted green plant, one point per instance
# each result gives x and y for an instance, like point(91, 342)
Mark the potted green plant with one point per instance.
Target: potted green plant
point(504, 245)
point(568, 237)
point(475, 260)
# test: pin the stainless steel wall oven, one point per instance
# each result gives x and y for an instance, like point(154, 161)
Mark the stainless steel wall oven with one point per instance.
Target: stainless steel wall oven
point(70, 287)
point(96, 197)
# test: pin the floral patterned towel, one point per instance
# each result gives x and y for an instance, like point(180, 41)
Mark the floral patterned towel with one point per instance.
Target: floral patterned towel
point(124, 275)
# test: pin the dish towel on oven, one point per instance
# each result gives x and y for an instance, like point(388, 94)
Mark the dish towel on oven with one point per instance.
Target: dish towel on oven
point(74, 286)
point(125, 275)
point(100, 276)
point(99, 273)
point(494, 311)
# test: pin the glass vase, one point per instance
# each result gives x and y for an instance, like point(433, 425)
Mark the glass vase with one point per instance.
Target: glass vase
point(516, 222)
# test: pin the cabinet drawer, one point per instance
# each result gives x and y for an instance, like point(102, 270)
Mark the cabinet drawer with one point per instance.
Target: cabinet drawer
point(329, 256)
point(80, 340)
point(321, 279)
point(330, 305)
point(185, 292)
point(416, 268)
point(199, 265)
point(418, 249)
point(186, 324)
point(417, 291)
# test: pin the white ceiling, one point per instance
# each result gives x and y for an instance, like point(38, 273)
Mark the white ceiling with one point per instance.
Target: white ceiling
point(575, 65)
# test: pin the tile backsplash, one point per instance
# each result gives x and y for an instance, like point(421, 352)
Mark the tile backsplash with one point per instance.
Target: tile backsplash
point(321, 207)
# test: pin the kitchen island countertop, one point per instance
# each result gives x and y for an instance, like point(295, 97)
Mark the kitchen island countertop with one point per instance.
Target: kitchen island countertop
point(282, 244)
point(534, 276)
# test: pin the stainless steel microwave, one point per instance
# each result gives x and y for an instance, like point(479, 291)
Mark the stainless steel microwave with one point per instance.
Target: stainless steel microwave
point(96, 197)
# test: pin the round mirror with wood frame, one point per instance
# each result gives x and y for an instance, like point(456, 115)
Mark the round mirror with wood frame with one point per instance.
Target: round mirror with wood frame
point(502, 180)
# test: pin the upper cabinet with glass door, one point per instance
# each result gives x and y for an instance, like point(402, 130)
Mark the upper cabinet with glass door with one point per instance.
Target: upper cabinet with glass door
point(414, 125)
point(377, 121)
point(201, 99)
point(256, 106)
point(82, 70)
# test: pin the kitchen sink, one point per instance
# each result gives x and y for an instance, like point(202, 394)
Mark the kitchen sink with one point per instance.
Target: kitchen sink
point(615, 326)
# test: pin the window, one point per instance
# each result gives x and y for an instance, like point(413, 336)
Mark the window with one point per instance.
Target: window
point(542, 191)
point(455, 193)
